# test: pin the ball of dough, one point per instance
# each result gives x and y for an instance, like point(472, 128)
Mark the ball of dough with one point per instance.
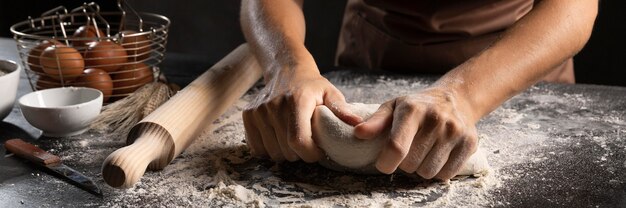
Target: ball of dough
point(335, 137)
point(345, 152)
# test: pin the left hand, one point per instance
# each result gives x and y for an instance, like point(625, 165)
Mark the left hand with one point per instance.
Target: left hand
point(432, 133)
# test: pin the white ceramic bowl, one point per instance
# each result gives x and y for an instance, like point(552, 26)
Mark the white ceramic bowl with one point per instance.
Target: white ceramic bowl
point(8, 86)
point(60, 112)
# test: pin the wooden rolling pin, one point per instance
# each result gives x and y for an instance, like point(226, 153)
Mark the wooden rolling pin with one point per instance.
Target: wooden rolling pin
point(165, 133)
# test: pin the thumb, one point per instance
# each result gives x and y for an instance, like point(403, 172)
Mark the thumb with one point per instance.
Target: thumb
point(337, 104)
point(377, 123)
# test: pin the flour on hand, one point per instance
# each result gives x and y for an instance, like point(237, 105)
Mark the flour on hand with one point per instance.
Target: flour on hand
point(345, 152)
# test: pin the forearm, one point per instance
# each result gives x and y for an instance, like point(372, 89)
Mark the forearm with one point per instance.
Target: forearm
point(548, 35)
point(275, 30)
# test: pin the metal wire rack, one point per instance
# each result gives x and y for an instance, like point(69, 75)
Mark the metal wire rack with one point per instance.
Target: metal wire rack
point(113, 51)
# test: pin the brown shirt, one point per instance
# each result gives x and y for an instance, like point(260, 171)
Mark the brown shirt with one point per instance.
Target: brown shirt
point(422, 35)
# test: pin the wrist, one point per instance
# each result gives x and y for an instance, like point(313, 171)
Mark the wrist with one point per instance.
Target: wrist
point(459, 97)
point(298, 63)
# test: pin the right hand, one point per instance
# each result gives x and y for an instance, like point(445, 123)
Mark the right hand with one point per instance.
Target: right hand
point(278, 122)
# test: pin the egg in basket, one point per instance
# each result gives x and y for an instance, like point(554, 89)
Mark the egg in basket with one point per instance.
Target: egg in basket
point(116, 52)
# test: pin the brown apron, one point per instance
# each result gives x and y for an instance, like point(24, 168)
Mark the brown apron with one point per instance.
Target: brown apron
point(427, 36)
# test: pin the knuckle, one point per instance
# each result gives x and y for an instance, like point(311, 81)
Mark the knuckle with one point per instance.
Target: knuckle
point(470, 144)
point(454, 129)
point(433, 116)
point(396, 147)
point(442, 118)
point(448, 96)
point(411, 108)
point(405, 100)
point(388, 106)
point(410, 101)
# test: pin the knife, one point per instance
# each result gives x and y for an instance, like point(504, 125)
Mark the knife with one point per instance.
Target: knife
point(52, 163)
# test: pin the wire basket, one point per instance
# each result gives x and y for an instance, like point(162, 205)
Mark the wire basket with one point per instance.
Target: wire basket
point(115, 52)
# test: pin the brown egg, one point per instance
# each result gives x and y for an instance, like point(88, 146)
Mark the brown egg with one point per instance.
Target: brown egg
point(97, 79)
point(131, 77)
point(45, 82)
point(86, 34)
point(105, 55)
point(137, 46)
point(60, 61)
point(33, 55)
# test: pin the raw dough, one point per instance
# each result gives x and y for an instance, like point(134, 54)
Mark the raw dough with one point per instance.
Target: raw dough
point(345, 152)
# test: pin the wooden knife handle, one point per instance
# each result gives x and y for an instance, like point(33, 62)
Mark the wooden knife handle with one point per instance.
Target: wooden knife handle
point(31, 152)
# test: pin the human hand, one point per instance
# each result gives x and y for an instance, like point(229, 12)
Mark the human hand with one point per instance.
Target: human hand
point(278, 122)
point(431, 133)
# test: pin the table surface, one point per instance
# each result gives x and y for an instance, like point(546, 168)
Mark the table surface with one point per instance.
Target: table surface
point(552, 145)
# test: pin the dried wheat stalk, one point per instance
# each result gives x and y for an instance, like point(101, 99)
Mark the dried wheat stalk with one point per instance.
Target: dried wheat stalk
point(119, 117)
point(160, 95)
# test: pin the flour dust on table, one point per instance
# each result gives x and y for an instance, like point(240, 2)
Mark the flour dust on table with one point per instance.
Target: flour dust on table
point(532, 154)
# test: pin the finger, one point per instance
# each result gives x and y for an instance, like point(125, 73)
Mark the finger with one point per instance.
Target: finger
point(253, 136)
point(337, 104)
point(270, 141)
point(299, 132)
point(421, 145)
point(418, 151)
point(435, 160)
point(405, 124)
point(459, 156)
point(281, 136)
point(377, 123)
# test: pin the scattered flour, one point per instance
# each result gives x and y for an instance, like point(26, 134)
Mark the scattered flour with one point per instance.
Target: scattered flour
point(217, 170)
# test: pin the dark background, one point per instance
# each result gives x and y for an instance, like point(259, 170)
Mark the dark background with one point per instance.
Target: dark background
point(204, 31)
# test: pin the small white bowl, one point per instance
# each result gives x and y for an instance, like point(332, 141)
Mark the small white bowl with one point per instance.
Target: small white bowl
point(61, 112)
point(8, 86)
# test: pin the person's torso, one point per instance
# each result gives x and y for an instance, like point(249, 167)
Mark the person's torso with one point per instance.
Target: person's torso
point(433, 21)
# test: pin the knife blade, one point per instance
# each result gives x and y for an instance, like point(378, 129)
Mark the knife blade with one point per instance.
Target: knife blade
point(52, 163)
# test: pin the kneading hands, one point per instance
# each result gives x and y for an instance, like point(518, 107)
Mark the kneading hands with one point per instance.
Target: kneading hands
point(433, 131)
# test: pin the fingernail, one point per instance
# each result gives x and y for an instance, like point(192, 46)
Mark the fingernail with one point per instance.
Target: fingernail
point(382, 167)
point(358, 133)
point(361, 134)
point(387, 163)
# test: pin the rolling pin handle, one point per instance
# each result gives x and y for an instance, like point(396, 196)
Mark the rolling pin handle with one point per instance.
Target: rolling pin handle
point(183, 118)
point(124, 167)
